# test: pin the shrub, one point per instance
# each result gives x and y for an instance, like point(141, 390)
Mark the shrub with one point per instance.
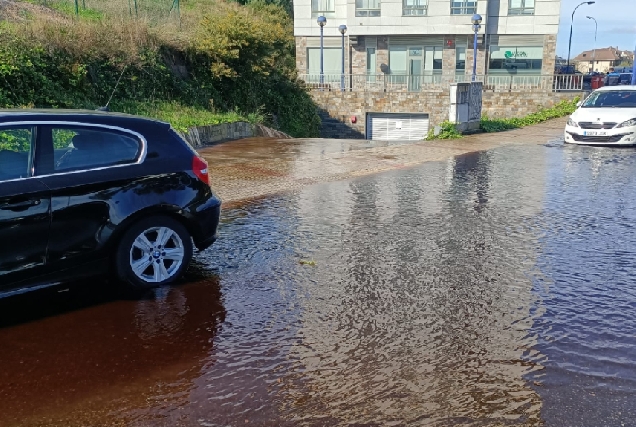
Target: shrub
point(448, 131)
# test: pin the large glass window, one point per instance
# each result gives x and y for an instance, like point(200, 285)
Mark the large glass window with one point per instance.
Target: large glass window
point(323, 7)
point(521, 7)
point(463, 7)
point(332, 64)
point(414, 7)
point(367, 7)
point(16, 152)
point(516, 59)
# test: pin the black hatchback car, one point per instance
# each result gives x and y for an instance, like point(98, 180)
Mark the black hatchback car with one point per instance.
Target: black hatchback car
point(85, 193)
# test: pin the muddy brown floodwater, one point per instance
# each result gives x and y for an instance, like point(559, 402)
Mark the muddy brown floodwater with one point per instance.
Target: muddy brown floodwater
point(493, 288)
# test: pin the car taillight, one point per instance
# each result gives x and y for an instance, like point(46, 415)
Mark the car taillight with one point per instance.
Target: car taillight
point(200, 169)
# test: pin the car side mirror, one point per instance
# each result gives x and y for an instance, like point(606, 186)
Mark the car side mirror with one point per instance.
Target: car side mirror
point(578, 104)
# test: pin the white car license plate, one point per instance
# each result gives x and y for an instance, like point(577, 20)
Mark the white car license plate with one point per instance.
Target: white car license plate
point(595, 133)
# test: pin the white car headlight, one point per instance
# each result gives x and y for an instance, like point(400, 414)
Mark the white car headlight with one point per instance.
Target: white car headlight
point(628, 123)
point(572, 123)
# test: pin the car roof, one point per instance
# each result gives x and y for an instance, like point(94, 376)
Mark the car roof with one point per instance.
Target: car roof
point(614, 88)
point(90, 116)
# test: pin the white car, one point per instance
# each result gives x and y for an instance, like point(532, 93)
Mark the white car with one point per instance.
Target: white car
point(606, 117)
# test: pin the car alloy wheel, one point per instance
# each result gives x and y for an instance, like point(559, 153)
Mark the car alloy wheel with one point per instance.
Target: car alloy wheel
point(156, 254)
point(154, 251)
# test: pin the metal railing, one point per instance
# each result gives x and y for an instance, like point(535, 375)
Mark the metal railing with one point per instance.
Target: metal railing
point(418, 83)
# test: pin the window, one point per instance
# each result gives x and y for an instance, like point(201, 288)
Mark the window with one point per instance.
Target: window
point(367, 7)
point(460, 60)
point(332, 64)
point(78, 148)
point(371, 64)
point(322, 7)
point(414, 7)
point(463, 7)
point(16, 152)
point(521, 7)
point(516, 60)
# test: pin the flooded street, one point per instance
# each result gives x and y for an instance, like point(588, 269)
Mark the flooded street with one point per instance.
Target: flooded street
point(493, 288)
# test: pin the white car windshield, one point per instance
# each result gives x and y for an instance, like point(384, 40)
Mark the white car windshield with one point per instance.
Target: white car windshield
point(611, 99)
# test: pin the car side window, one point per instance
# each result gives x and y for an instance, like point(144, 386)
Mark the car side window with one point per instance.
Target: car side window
point(78, 148)
point(16, 152)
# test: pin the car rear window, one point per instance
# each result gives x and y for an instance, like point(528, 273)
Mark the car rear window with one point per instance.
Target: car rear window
point(78, 148)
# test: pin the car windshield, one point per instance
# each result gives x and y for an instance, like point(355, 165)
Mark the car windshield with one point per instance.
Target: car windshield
point(611, 99)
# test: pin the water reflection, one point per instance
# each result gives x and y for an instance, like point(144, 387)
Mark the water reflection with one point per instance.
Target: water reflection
point(419, 316)
point(97, 354)
point(585, 282)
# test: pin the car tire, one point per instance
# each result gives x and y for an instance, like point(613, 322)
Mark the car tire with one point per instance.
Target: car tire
point(153, 252)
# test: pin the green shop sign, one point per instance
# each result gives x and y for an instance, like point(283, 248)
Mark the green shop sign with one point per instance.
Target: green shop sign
point(516, 54)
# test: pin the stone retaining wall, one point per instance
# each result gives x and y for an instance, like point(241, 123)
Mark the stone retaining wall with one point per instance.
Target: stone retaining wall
point(338, 109)
point(519, 104)
point(214, 134)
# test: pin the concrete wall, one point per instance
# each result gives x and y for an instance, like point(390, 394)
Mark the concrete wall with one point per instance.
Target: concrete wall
point(201, 136)
point(338, 108)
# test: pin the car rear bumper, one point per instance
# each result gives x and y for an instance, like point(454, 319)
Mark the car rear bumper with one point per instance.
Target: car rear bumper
point(206, 218)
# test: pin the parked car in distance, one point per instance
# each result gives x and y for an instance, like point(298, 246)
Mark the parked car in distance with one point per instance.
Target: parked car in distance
point(625, 79)
point(86, 193)
point(606, 117)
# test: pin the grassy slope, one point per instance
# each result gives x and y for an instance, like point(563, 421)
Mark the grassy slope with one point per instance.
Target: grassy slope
point(110, 29)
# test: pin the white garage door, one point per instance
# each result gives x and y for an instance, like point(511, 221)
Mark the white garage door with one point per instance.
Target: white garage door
point(393, 127)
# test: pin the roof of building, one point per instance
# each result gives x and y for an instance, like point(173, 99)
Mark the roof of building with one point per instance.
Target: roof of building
point(605, 54)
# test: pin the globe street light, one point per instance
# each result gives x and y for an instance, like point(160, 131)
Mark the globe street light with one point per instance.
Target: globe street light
point(322, 21)
point(343, 30)
point(595, 32)
point(476, 20)
point(571, 25)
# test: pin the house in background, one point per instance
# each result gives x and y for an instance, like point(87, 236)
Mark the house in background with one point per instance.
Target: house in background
point(602, 60)
point(426, 39)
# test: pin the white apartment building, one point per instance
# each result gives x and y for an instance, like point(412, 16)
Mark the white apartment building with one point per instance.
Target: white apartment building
point(427, 38)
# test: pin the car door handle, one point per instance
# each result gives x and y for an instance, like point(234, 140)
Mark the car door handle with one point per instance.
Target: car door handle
point(19, 205)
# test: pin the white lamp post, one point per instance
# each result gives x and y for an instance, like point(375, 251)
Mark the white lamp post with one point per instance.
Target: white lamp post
point(343, 30)
point(322, 21)
point(476, 20)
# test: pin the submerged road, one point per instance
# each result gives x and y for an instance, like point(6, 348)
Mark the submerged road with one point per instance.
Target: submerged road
point(478, 282)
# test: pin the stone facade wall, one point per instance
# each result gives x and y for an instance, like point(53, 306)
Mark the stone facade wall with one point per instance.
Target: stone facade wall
point(549, 54)
point(338, 108)
point(359, 57)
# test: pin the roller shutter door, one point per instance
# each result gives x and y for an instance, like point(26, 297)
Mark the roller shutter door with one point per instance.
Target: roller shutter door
point(397, 127)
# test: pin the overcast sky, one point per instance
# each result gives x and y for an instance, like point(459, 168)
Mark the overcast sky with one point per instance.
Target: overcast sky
point(616, 25)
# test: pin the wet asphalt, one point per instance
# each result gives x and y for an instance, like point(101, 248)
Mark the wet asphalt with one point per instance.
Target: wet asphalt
point(490, 286)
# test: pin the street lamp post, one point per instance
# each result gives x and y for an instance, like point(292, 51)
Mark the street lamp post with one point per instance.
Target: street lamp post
point(595, 32)
point(343, 30)
point(476, 20)
point(571, 26)
point(322, 21)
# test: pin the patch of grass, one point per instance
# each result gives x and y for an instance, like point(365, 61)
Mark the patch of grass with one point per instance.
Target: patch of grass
point(180, 116)
point(449, 131)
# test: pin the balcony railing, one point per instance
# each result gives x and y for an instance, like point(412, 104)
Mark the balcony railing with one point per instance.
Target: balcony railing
point(419, 83)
